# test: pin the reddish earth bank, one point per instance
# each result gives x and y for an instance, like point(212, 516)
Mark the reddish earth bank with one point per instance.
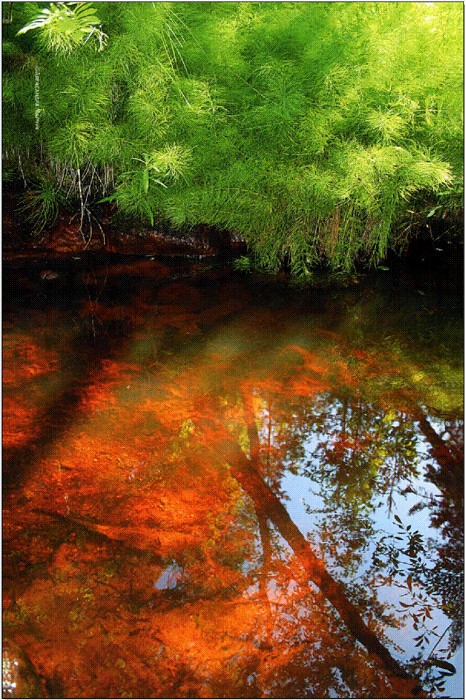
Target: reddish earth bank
point(107, 235)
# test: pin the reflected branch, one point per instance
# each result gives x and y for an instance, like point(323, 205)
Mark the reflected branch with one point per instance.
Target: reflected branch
point(440, 450)
point(264, 499)
point(264, 532)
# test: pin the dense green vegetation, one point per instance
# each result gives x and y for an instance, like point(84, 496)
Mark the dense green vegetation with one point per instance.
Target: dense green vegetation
point(320, 131)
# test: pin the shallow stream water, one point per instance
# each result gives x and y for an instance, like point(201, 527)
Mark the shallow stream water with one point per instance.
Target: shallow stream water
point(226, 485)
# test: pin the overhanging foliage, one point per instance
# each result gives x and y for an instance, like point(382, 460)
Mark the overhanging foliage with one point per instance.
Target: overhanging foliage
point(319, 131)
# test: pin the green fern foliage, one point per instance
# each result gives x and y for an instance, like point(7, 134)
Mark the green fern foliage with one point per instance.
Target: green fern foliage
point(41, 204)
point(66, 25)
point(316, 130)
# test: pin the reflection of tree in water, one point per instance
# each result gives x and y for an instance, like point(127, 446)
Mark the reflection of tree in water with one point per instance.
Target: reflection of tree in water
point(174, 565)
point(254, 448)
point(361, 455)
point(446, 512)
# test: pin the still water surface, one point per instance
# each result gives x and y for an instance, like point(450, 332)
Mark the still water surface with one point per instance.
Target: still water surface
point(223, 485)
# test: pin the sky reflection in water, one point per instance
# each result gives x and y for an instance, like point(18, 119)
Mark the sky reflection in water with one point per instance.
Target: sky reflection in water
point(165, 430)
